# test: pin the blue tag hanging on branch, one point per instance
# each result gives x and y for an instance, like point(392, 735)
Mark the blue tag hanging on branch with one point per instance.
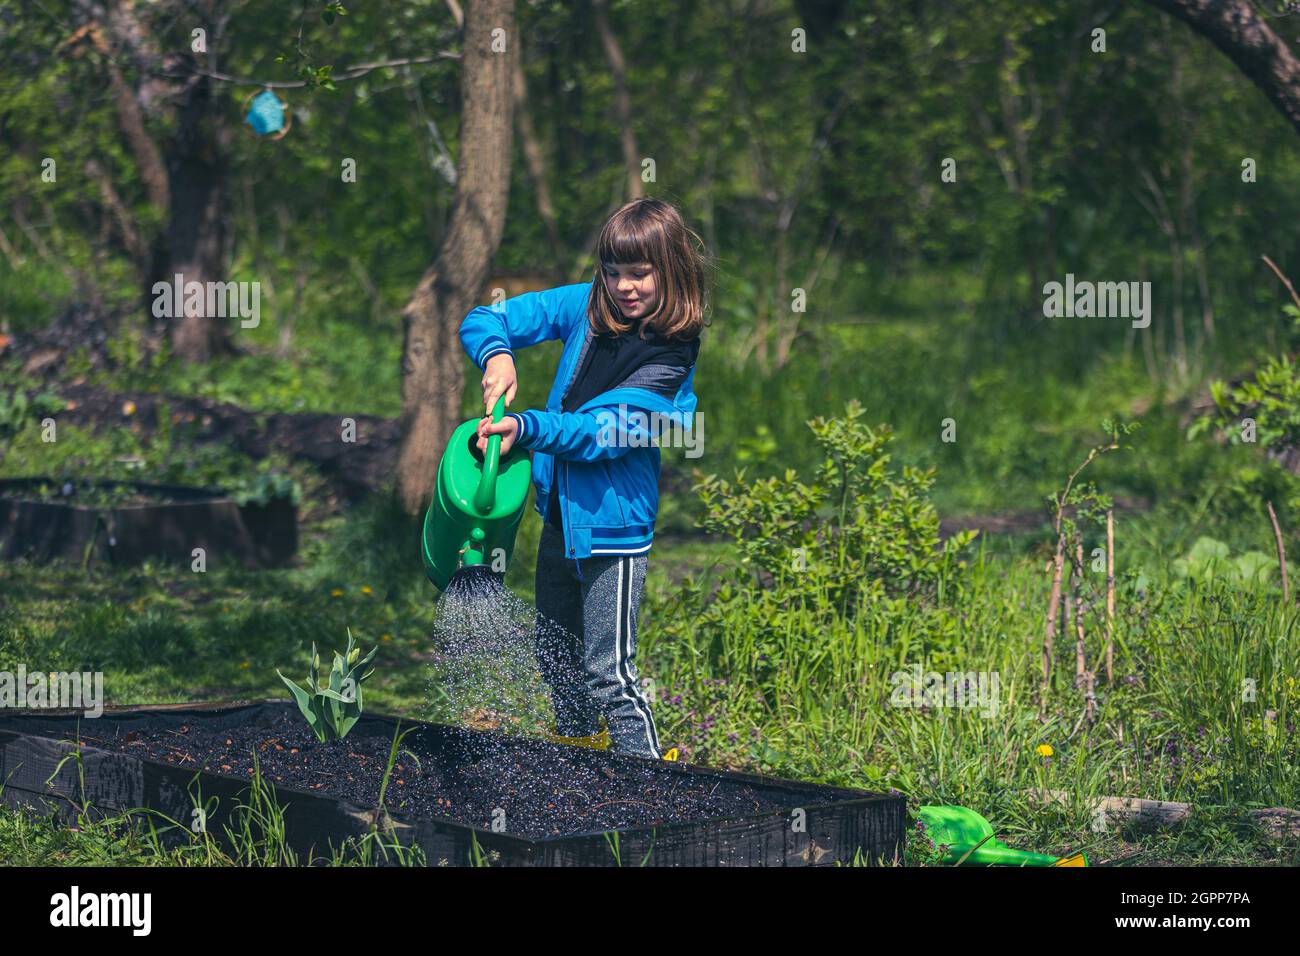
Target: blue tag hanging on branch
point(268, 115)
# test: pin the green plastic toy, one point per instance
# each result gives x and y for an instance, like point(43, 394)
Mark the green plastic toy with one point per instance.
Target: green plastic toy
point(970, 841)
point(477, 504)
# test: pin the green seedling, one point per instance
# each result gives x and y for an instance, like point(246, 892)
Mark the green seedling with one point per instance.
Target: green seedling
point(333, 709)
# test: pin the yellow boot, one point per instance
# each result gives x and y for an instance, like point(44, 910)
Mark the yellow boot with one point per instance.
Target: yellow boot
point(596, 741)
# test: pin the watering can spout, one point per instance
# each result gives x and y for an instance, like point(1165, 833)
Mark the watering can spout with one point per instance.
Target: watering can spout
point(472, 553)
point(478, 501)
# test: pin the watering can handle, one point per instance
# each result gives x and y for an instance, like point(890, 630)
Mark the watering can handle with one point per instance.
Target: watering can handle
point(486, 494)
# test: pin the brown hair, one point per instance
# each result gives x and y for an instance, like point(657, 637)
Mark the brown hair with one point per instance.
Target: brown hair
point(653, 231)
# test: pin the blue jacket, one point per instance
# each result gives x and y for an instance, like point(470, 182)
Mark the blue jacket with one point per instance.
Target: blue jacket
point(599, 458)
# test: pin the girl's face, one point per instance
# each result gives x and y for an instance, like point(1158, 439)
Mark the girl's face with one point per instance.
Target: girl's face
point(632, 287)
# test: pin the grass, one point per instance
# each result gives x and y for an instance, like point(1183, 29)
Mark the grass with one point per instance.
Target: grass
point(1020, 408)
point(812, 701)
point(143, 837)
point(160, 635)
point(1174, 726)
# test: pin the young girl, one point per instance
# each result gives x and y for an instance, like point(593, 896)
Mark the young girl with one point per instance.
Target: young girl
point(631, 338)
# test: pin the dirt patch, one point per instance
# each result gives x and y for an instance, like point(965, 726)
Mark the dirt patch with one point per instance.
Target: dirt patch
point(351, 470)
point(1024, 521)
point(546, 791)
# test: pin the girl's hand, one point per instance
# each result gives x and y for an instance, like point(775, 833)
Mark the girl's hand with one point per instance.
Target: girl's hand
point(499, 379)
point(506, 428)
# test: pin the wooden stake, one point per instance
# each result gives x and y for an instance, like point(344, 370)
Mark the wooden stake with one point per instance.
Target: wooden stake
point(1281, 553)
point(1080, 651)
point(1067, 578)
point(1054, 602)
point(1110, 595)
point(1053, 607)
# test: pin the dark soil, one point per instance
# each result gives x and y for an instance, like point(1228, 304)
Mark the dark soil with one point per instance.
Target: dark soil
point(545, 790)
point(1024, 522)
point(350, 471)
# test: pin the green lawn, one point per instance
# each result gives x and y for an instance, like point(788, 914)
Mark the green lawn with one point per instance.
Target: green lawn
point(812, 701)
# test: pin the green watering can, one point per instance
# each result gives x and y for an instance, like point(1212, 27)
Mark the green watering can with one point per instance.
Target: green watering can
point(968, 835)
point(477, 504)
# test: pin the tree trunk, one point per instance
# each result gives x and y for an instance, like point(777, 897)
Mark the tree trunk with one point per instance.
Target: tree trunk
point(1243, 35)
point(185, 180)
point(196, 224)
point(119, 217)
point(534, 157)
point(432, 371)
point(622, 102)
point(148, 160)
point(129, 36)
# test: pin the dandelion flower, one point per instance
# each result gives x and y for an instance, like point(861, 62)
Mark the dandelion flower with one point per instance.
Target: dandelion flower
point(1044, 750)
point(336, 593)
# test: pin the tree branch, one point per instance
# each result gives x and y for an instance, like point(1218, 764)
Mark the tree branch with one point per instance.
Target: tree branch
point(1242, 35)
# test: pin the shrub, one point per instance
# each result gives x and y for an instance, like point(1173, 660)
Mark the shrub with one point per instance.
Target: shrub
point(1271, 399)
point(839, 582)
point(858, 534)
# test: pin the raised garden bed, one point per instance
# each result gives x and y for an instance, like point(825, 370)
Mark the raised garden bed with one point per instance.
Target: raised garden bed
point(129, 522)
point(552, 805)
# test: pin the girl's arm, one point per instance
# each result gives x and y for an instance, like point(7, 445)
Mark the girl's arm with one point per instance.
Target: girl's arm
point(522, 321)
point(603, 432)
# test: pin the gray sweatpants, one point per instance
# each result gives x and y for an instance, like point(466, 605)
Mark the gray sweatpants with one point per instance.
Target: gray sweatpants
point(586, 644)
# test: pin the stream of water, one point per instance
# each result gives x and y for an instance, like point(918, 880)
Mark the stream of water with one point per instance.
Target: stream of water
point(485, 673)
